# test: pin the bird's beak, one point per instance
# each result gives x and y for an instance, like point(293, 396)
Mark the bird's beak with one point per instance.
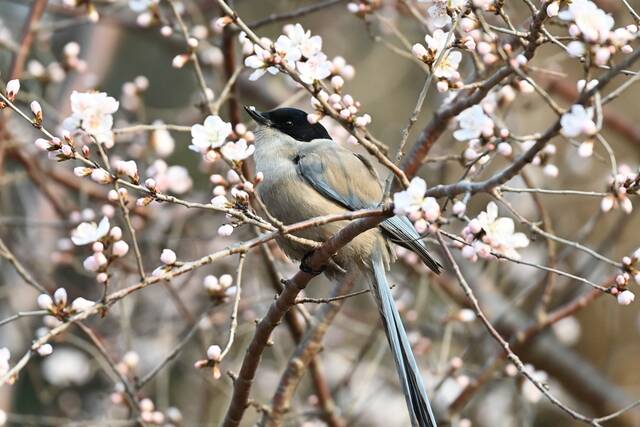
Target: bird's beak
point(256, 115)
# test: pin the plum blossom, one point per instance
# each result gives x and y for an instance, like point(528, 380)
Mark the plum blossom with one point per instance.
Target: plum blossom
point(12, 89)
point(317, 67)
point(92, 112)
point(578, 121)
point(89, 232)
point(210, 135)
point(473, 123)
point(66, 367)
point(302, 40)
point(237, 151)
point(594, 24)
point(412, 201)
point(168, 257)
point(438, 11)
point(174, 179)
point(487, 231)
point(261, 61)
point(625, 297)
point(82, 304)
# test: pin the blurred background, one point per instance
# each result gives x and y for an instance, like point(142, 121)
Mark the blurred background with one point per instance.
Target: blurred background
point(588, 359)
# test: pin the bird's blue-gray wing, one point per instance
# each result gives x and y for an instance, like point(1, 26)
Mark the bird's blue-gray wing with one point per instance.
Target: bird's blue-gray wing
point(339, 175)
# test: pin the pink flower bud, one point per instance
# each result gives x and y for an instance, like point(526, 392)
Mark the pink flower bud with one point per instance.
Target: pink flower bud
point(214, 353)
point(102, 277)
point(116, 233)
point(97, 247)
point(120, 248)
point(225, 230)
point(13, 87)
point(459, 208)
point(100, 176)
point(42, 144)
point(45, 350)
point(419, 51)
point(625, 297)
point(168, 257)
point(45, 302)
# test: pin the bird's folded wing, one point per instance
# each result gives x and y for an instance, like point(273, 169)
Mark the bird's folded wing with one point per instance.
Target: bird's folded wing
point(350, 181)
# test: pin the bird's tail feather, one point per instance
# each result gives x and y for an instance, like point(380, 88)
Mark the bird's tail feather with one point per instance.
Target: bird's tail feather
point(417, 401)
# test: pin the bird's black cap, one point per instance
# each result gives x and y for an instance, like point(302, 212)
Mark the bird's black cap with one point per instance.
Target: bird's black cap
point(291, 121)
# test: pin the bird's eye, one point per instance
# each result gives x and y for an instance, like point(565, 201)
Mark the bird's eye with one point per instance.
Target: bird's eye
point(289, 123)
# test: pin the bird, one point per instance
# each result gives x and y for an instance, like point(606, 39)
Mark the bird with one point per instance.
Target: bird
point(305, 175)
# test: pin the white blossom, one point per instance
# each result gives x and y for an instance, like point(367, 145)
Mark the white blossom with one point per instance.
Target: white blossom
point(238, 150)
point(302, 40)
point(89, 232)
point(626, 297)
point(410, 200)
point(81, 304)
point(212, 134)
point(45, 350)
point(92, 112)
point(473, 123)
point(67, 367)
point(499, 232)
point(168, 257)
point(594, 24)
point(261, 61)
point(317, 67)
point(578, 121)
point(175, 178)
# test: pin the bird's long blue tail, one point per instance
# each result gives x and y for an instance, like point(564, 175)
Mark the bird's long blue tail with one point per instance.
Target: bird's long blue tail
point(417, 401)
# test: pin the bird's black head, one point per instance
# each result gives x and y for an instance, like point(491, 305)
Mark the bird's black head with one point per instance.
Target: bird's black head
point(291, 121)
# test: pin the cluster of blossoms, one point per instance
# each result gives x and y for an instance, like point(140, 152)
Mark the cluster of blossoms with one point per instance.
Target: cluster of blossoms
point(345, 105)
point(164, 178)
point(423, 211)
point(210, 140)
point(593, 29)
point(219, 288)
point(149, 414)
point(232, 193)
point(106, 243)
point(130, 99)
point(91, 114)
point(630, 269)
point(59, 311)
point(440, 11)
point(489, 233)
point(58, 306)
point(579, 121)
point(625, 183)
point(446, 69)
point(299, 50)
point(214, 357)
point(543, 158)
point(55, 72)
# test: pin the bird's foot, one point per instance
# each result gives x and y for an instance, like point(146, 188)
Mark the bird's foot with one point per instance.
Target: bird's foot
point(304, 265)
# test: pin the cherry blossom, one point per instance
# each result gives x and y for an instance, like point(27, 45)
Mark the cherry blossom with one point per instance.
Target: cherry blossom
point(315, 68)
point(497, 233)
point(168, 257)
point(237, 151)
point(261, 61)
point(92, 113)
point(411, 199)
point(302, 40)
point(578, 121)
point(594, 24)
point(210, 135)
point(89, 232)
point(174, 179)
point(473, 123)
point(625, 297)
